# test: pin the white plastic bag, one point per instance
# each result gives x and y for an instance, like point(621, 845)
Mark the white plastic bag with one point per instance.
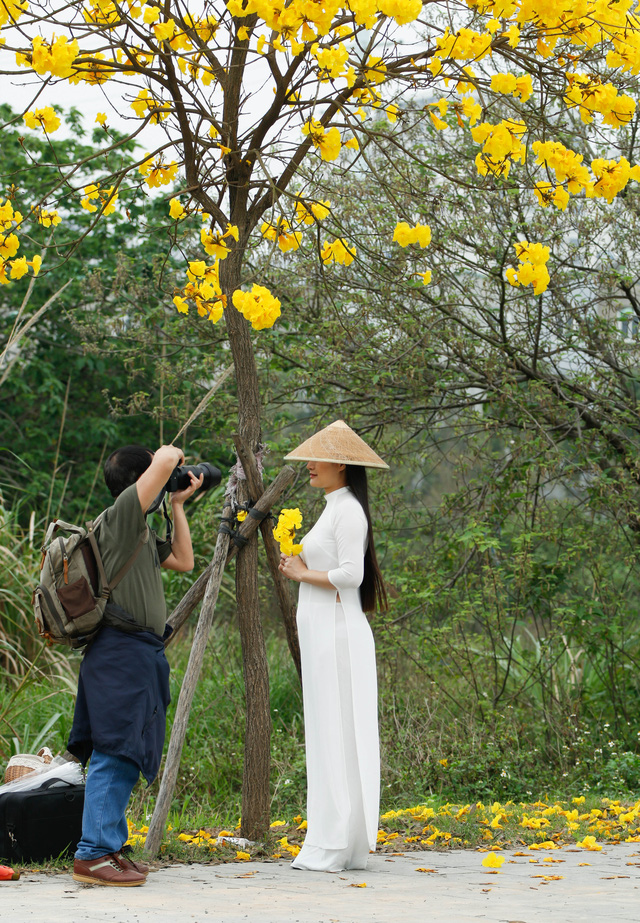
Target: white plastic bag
point(63, 771)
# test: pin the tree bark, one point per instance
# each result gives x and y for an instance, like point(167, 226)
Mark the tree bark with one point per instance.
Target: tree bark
point(257, 753)
point(282, 587)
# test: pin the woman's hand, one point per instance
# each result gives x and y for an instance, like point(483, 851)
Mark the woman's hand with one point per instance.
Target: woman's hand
point(293, 567)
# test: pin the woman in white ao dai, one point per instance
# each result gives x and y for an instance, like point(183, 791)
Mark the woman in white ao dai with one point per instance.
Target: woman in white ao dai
point(338, 680)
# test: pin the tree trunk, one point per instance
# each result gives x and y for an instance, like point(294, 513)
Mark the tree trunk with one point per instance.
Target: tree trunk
point(257, 752)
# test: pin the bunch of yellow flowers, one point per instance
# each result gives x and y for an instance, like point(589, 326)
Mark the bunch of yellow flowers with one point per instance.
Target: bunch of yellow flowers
point(258, 306)
point(285, 531)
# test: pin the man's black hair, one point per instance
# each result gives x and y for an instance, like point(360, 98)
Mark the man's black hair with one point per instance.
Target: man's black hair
point(124, 467)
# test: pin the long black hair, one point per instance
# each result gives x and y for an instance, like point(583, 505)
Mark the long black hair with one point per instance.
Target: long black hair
point(372, 592)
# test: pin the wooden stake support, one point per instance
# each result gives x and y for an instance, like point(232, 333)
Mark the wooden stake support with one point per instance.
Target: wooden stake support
point(206, 588)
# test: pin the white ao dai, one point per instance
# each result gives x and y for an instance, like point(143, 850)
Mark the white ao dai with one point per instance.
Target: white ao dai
point(340, 694)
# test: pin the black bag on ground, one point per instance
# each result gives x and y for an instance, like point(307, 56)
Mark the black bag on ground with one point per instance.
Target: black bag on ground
point(41, 823)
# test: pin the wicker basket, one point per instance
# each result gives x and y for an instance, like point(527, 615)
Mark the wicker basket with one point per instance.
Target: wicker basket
point(23, 763)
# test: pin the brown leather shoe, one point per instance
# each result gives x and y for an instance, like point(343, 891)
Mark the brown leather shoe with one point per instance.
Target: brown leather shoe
point(106, 870)
point(127, 863)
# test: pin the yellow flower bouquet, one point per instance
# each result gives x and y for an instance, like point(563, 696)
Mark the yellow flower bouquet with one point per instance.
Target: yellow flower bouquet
point(285, 531)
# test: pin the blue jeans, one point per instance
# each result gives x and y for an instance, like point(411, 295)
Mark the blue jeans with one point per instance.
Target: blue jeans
point(110, 781)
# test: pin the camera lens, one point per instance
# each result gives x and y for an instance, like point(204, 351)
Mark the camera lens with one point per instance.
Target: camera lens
point(180, 479)
point(212, 475)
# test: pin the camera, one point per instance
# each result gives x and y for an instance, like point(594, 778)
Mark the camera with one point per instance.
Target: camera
point(180, 479)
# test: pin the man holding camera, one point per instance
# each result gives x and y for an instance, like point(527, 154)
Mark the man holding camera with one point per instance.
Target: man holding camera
point(123, 687)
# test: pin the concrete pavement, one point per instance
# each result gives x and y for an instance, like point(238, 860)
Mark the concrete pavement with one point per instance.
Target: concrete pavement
point(452, 888)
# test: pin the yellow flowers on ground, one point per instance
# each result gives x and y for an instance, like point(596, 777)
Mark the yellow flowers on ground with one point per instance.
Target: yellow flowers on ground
point(532, 269)
point(259, 306)
point(285, 532)
point(45, 118)
point(590, 843)
point(492, 861)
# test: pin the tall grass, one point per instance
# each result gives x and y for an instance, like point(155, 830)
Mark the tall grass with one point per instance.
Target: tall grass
point(32, 675)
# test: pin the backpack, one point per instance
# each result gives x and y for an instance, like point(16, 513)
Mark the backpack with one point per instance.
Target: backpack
point(70, 600)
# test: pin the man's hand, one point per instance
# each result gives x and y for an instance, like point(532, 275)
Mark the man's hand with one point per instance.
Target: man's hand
point(151, 481)
point(179, 496)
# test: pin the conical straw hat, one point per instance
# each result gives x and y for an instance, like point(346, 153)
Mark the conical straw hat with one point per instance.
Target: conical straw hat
point(337, 443)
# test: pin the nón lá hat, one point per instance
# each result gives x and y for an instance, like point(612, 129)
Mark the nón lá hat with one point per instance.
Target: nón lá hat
point(337, 443)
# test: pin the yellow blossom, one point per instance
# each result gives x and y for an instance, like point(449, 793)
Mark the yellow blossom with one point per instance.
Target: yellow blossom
point(285, 532)
point(157, 173)
point(45, 118)
point(258, 306)
point(589, 842)
point(176, 210)
point(338, 251)
point(328, 143)
point(405, 235)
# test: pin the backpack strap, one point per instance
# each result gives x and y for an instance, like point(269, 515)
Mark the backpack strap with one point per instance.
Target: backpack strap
point(109, 586)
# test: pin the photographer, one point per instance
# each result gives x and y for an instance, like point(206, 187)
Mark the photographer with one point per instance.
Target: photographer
point(123, 687)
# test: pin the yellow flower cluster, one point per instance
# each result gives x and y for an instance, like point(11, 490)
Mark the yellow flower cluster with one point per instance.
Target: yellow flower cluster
point(501, 144)
point(405, 235)
point(463, 45)
point(96, 197)
point(590, 95)
point(328, 143)
point(144, 102)
point(312, 211)
point(612, 176)
point(11, 268)
point(203, 289)
point(520, 87)
point(214, 242)
point(532, 267)
point(45, 118)
point(282, 233)
point(158, 173)
point(55, 57)
point(285, 531)
point(47, 217)
point(10, 11)
point(258, 306)
point(338, 251)
point(607, 179)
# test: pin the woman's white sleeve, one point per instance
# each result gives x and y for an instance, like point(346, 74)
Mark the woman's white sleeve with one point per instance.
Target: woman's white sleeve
point(350, 531)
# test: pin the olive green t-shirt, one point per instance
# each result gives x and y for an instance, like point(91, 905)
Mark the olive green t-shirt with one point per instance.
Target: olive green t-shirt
point(140, 591)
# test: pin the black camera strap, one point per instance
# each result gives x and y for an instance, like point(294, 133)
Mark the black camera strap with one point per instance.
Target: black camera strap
point(165, 513)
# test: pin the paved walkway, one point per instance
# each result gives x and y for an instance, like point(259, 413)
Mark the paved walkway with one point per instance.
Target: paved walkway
point(452, 888)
